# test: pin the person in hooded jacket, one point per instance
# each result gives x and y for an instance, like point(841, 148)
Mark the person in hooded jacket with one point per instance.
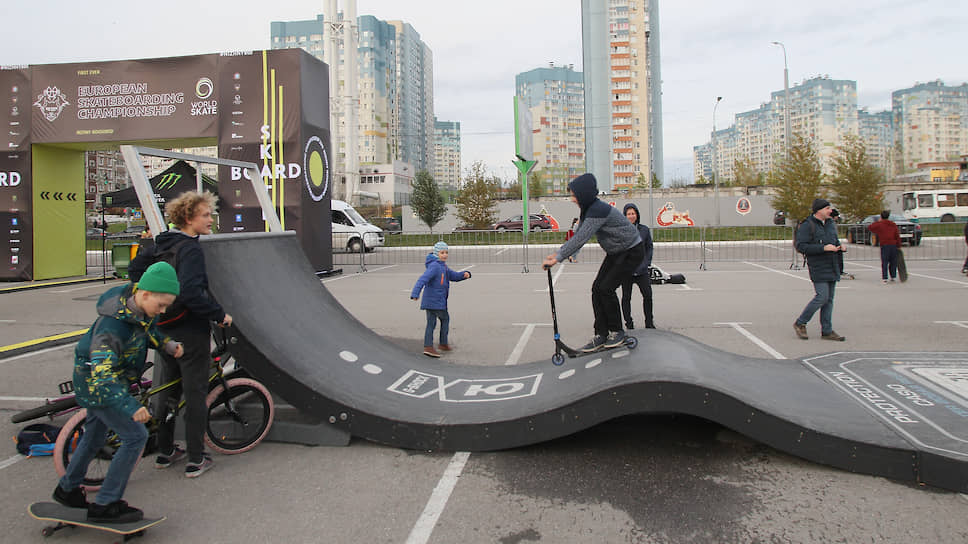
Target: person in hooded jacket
point(188, 320)
point(435, 284)
point(624, 252)
point(108, 359)
point(642, 275)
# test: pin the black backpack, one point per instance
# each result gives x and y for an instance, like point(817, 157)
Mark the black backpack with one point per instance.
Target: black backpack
point(177, 310)
point(37, 439)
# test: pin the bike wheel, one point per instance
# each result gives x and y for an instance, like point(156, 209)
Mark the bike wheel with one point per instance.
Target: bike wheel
point(49, 409)
point(67, 441)
point(240, 417)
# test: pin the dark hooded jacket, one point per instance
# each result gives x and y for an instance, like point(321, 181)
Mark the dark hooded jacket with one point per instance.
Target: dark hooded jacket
point(812, 236)
point(646, 236)
point(614, 232)
point(111, 354)
point(194, 304)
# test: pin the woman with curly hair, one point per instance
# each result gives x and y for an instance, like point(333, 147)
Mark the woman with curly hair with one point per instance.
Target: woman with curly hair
point(188, 320)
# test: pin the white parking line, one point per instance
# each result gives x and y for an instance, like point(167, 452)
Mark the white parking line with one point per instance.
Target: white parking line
point(962, 324)
point(736, 325)
point(422, 530)
point(777, 271)
point(343, 277)
point(12, 460)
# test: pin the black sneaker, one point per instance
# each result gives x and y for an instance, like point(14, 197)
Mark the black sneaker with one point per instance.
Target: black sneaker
point(615, 339)
point(596, 344)
point(630, 326)
point(116, 512)
point(194, 470)
point(74, 498)
point(165, 461)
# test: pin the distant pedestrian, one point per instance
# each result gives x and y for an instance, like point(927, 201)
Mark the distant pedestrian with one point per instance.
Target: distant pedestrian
point(641, 277)
point(817, 240)
point(844, 275)
point(889, 238)
point(964, 269)
point(568, 236)
point(435, 284)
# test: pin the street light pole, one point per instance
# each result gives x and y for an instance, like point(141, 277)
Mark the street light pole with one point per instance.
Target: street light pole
point(786, 101)
point(714, 158)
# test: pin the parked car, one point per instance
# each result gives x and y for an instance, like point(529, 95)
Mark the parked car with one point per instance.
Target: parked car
point(391, 225)
point(130, 233)
point(536, 222)
point(858, 233)
point(779, 218)
point(94, 232)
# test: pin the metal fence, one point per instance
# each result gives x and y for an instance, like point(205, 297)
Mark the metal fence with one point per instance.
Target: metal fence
point(702, 246)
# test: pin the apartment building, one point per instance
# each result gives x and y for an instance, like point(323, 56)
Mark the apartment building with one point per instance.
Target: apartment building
point(877, 132)
point(930, 124)
point(447, 171)
point(555, 98)
point(395, 87)
point(622, 88)
point(822, 110)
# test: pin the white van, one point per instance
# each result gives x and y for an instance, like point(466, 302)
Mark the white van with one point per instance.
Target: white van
point(351, 232)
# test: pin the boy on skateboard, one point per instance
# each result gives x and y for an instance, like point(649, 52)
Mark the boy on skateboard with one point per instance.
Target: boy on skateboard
point(435, 283)
point(624, 252)
point(108, 359)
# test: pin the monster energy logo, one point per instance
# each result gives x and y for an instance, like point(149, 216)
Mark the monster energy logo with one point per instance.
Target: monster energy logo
point(169, 180)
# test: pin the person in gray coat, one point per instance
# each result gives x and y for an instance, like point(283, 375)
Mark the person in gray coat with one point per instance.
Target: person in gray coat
point(642, 275)
point(623, 253)
point(817, 240)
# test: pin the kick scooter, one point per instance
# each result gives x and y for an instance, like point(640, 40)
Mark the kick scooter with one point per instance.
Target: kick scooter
point(560, 347)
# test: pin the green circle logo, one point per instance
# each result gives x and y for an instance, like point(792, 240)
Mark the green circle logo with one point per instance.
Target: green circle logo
point(316, 168)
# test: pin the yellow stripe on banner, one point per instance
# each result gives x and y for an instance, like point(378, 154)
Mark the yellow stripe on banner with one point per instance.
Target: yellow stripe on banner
point(36, 341)
point(282, 158)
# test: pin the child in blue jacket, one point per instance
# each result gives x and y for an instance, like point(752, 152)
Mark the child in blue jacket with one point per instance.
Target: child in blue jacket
point(435, 283)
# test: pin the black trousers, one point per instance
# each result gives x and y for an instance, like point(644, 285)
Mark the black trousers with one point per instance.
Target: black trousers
point(193, 368)
point(645, 287)
point(614, 270)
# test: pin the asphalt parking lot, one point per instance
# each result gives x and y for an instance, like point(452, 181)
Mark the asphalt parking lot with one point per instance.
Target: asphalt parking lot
point(656, 478)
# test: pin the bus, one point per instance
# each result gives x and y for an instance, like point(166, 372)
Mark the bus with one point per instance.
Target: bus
point(936, 206)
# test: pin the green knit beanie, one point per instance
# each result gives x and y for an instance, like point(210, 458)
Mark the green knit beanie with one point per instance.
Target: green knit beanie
point(160, 278)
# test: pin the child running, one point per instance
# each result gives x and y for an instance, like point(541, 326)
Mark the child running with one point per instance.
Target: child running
point(624, 252)
point(108, 359)
point(435, 283)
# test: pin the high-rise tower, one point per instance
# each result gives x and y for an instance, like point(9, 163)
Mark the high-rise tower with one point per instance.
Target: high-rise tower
point(623, 89)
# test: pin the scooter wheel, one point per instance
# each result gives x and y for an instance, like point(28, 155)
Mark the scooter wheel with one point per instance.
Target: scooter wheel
point(632, 342)
point(558, 359)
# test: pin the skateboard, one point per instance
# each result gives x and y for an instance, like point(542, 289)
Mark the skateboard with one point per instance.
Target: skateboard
point(901, 266)
point(77, 517)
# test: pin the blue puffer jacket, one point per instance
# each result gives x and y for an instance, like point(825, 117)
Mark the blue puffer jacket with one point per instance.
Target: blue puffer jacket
point(435, 282)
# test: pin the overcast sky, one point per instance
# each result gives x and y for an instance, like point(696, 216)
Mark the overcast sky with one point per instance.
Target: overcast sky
point(709, 49)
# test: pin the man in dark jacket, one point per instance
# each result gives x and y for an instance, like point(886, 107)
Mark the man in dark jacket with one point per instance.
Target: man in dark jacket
point(188, 320)
point(623, 254)
point(817, 240)
point(641, 277)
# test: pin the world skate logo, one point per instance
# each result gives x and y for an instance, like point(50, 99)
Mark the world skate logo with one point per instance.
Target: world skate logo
point(51, 103)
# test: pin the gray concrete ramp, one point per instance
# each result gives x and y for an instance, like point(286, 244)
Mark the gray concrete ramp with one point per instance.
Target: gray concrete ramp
point(293, 335)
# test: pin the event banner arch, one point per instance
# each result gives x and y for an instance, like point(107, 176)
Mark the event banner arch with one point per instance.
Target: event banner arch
point(267, 107)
